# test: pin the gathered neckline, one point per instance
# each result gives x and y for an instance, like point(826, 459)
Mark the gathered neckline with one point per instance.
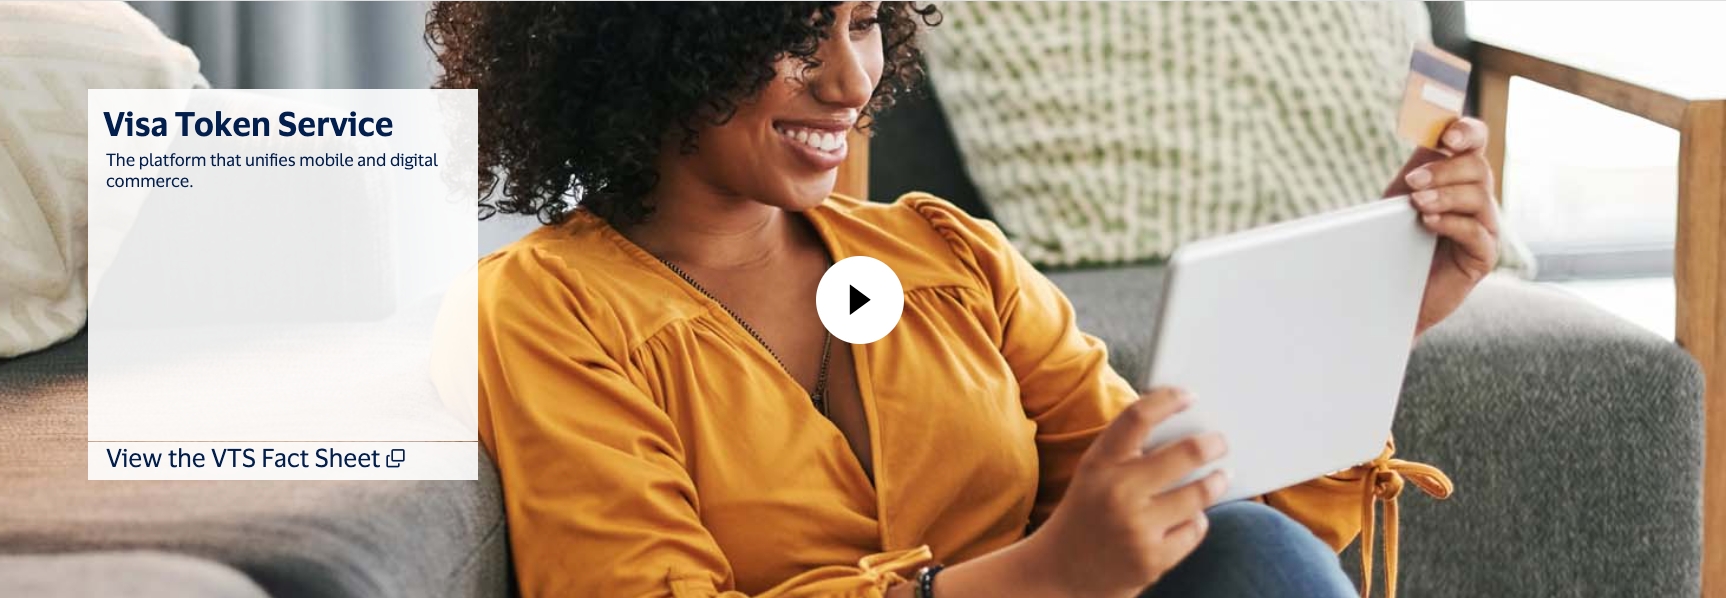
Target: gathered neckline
point(816, 215)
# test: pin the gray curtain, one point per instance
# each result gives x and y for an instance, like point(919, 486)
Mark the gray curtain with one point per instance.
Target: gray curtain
point(302, 45)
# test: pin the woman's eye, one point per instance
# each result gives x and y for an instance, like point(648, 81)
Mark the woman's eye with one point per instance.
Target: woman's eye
point(865, 24)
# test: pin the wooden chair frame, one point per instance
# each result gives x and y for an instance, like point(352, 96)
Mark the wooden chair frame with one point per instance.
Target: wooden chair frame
point(1699, 260)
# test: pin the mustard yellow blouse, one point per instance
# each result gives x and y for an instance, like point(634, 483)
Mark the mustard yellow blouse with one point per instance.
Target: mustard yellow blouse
point(649, 446)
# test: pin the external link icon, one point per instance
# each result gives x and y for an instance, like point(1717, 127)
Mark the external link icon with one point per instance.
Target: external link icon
point(395, 458)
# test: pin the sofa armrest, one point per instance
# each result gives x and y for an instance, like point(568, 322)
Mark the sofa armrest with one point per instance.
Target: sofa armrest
point(1575, 442)
point(139, 574)
point(1694, 106)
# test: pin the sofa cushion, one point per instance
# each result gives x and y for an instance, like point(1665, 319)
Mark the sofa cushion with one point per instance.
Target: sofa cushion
point(294, 538)
point(912, 147)
point(1106, 133)
point(1575, 441)
point(141, 574)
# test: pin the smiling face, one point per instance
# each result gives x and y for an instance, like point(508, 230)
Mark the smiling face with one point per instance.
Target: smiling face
point(783, 146)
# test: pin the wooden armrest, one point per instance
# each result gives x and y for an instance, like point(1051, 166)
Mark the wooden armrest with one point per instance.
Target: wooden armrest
point(1638, 99)
point(1700, 260)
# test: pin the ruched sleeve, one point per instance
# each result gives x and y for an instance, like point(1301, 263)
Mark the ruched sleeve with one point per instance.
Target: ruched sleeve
point(598, 498)
point(1065, 382)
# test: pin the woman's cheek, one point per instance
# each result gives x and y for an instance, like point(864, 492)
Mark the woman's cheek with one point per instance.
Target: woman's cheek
point(875, 60)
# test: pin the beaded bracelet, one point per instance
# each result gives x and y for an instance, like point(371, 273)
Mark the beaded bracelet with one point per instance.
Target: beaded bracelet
point(926, 581)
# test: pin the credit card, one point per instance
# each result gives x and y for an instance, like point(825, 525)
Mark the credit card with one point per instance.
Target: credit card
point(1437, 87)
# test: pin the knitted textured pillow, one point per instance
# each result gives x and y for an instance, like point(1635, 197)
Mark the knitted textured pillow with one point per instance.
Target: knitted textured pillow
point(50, 54)
point(1113, 132)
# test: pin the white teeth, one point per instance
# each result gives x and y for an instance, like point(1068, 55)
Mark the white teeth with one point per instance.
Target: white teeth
point(818, 140)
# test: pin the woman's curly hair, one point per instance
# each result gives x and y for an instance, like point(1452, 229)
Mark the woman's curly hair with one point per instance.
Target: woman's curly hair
point(575, 98)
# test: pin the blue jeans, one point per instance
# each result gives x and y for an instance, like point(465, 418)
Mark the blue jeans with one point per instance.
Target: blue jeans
point(1253, 550)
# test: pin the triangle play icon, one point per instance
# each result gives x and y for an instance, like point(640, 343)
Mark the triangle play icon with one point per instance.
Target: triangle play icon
point(858, 299)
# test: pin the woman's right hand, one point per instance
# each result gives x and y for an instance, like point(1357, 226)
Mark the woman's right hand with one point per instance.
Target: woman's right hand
point(1116, 531)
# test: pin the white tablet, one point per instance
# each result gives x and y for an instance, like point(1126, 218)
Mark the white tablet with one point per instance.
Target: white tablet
point(1293, 339)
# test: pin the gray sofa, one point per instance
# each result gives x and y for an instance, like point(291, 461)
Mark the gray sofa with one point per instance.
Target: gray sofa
point(135, 573)
point(1573, 437)
point(290, 538)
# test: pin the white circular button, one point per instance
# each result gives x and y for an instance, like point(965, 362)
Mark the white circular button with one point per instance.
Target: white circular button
point(860, 300)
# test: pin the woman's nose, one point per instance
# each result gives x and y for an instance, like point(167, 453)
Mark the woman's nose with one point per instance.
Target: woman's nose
point(843, 79)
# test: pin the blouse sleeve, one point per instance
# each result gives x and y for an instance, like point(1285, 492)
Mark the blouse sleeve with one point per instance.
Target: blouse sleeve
point(597, 496)
point(1070, 391)
point(1330, 506)
point(1065, 382)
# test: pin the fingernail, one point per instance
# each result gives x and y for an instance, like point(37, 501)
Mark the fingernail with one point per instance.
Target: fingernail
point(1418, 178)
point(1213, 446)
point(1429, 218)
point(1425, 197)
point(1453, 139)
point(1217, 482)
point(1203, 522)
point(1182, 398)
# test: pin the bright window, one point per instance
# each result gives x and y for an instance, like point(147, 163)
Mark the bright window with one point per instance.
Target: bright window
point(1593, 191)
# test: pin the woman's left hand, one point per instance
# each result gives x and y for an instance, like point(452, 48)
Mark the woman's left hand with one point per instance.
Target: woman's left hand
point(1453, 191)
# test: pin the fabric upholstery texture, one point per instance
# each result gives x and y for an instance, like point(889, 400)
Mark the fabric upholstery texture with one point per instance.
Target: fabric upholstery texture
point(1104, 133)
point(1573, 437)
point(322, 538)
point(914, 148)
point(1575, 441)
point(50, 53)
point(141, 574)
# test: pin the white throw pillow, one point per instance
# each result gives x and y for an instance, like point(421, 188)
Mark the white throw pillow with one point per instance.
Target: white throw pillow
point(51, 53)
point(1103, 133)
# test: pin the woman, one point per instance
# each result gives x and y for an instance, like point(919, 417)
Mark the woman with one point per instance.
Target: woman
point(669, 415)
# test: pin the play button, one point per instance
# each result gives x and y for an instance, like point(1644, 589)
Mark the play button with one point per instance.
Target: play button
point(859, 300)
